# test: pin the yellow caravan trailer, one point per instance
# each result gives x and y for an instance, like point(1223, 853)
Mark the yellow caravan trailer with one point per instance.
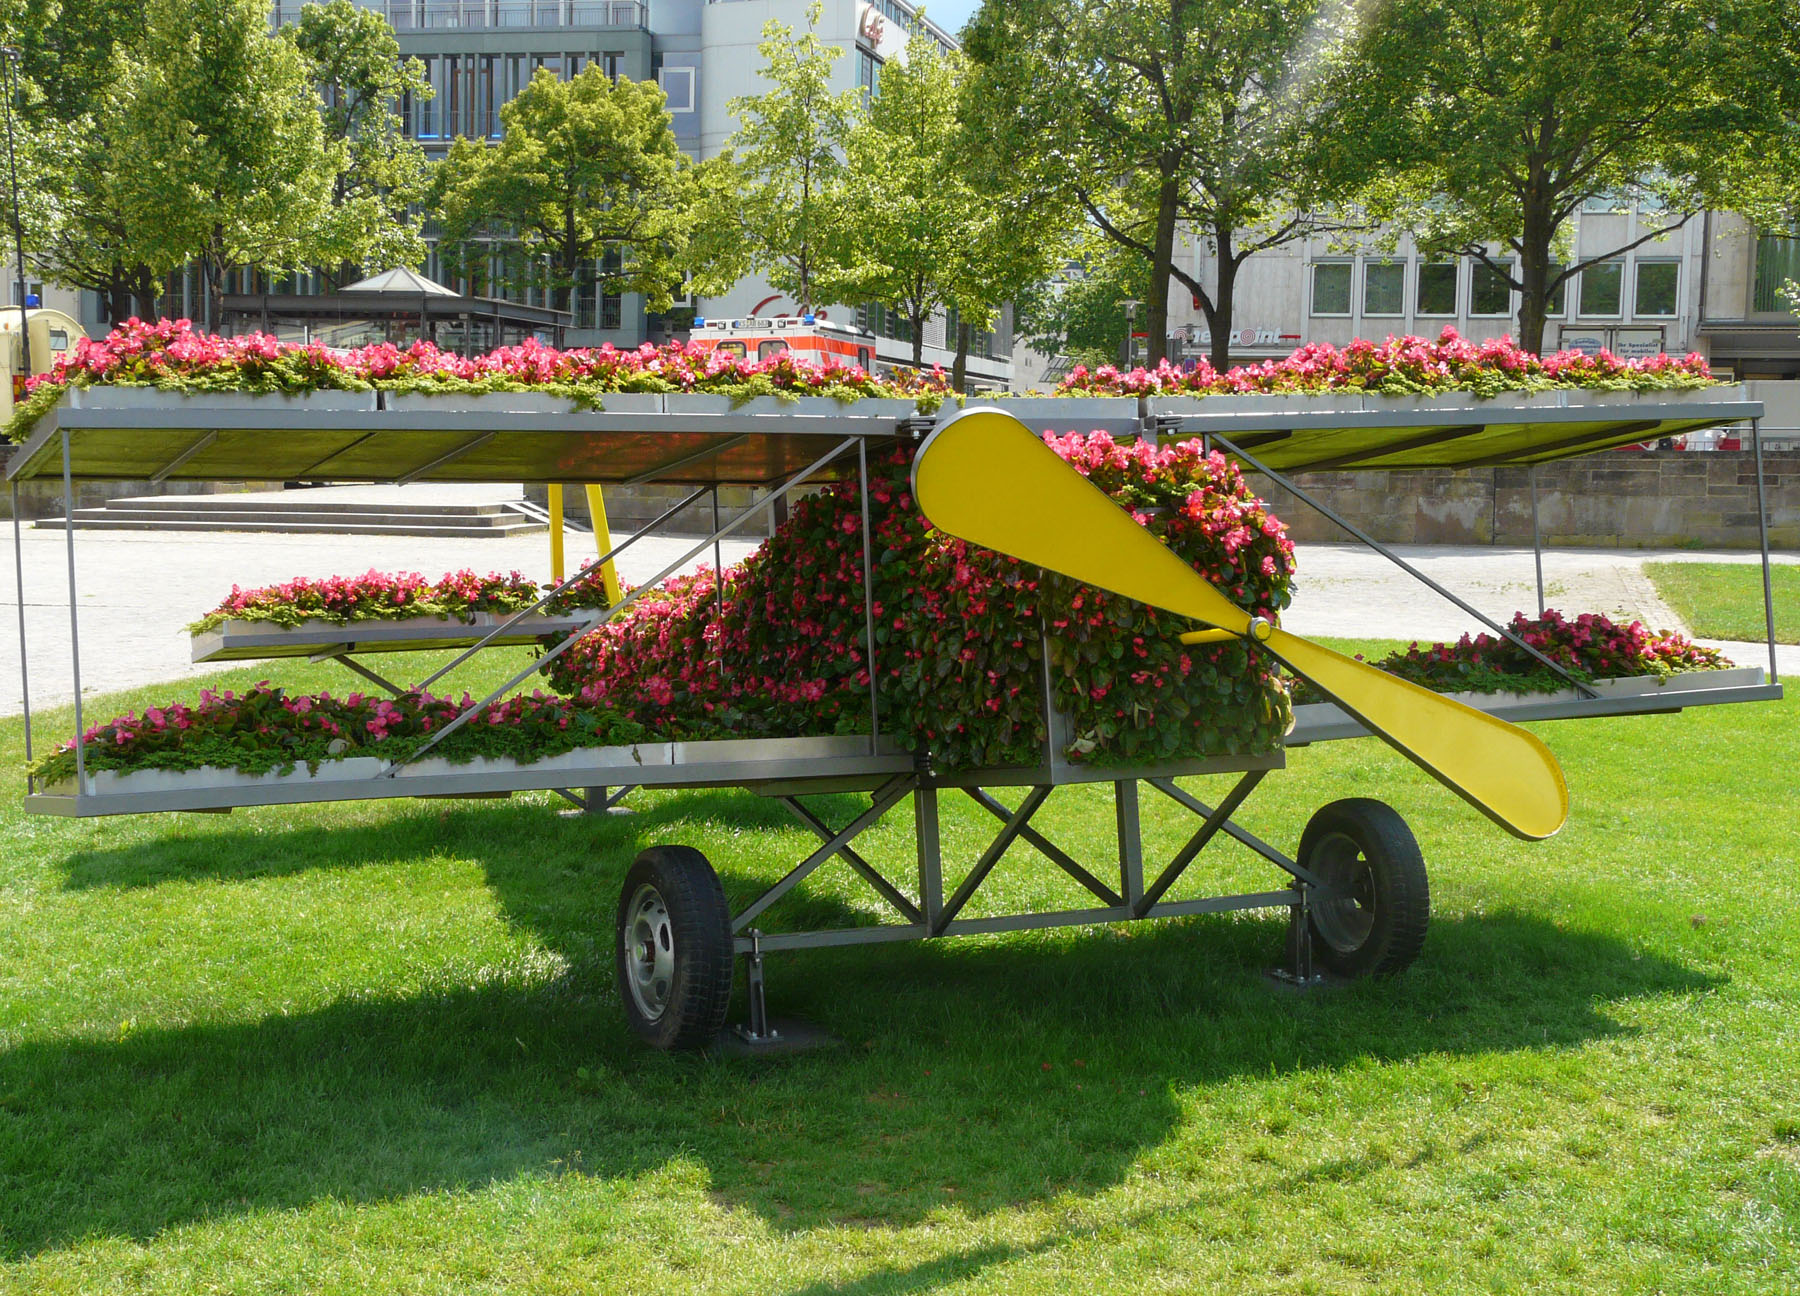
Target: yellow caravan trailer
point(53, 336)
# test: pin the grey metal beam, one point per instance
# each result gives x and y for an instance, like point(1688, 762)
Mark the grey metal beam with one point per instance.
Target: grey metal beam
point(1131, 840)
point(1208, 830)
point(870, 874)
point(162, 474)
point(685, 461)
point(1049, 849)
point(468, 447)
point(884, 801)
point(990, 857)
point(1177, 794)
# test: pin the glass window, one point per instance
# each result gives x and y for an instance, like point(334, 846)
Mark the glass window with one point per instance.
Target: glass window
point(1489, 292)
point(1437, 288)
point(611, 310)
point(678, 85)
point(766, 350)
point(1331, 288)
point(1384, 288)
point(1602, 288)
point(1656, 285)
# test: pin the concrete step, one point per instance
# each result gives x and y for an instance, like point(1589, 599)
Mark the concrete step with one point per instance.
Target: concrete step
point(106, 520)
point(255, 520)
point(301, 502)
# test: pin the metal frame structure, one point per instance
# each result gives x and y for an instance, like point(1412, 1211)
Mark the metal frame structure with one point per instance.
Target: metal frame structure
point(706, 446)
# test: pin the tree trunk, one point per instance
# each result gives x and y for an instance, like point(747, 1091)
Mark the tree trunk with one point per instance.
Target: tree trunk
point(959, 372)
point(1224, 301)
point(1162, 257)
point(918, 340)
point(1539, 229)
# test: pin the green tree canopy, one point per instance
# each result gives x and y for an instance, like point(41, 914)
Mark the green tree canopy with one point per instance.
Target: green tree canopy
point(787, 213)
point(354, 61)
point(935, 229)
point(585, 167)
point(222, 158)
point(1155, 116)
point(1504, 119)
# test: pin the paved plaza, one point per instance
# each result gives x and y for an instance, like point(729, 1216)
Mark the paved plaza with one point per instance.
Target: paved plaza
point(139, 589)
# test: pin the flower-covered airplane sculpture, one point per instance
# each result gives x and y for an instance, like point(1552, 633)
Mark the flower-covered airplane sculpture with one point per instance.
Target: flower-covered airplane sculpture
point(986, 478)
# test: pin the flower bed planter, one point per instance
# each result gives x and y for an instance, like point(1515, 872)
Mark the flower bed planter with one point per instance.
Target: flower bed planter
point(1319, 721)
point(799, 407)
point(129, 396)
point(162, 781)
point(249, 640)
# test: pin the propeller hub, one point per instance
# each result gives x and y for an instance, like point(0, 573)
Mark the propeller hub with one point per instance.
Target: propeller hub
point(1261, 628)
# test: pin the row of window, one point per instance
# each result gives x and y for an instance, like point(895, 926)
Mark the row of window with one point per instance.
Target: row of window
point(1437, 289)
point(468, 89)
point(420, 15)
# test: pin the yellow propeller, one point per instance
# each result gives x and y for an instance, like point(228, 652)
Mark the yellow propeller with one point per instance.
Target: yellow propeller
point(988, 479)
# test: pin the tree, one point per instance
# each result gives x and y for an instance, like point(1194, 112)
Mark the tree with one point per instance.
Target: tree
point(1081, 313)
point(222, 158)
point(585, 167)
point(354, 61)
point(1153, 115)
point(1505, 119)
point(74, 55)
point(787, 213)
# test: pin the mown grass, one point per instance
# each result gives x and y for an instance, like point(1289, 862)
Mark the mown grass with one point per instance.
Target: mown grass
point(374, 1048)
point(1725, 600)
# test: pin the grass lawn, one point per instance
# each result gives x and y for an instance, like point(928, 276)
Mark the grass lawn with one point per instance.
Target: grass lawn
point(374, 1048)
point(1725, 600)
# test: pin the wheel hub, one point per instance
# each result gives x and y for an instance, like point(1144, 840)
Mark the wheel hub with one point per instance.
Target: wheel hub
point(651, 943)
point(1346, 918)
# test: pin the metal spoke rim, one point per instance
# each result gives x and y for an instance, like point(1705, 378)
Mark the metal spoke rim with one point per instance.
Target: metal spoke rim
point(649, 952)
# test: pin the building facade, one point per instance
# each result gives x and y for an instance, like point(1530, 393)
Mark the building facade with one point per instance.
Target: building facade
point(477, 54)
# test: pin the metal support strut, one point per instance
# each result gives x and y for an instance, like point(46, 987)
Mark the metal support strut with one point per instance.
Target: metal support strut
point(757, 1030)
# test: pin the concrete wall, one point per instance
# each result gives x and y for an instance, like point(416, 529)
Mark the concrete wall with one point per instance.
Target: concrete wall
point(1657, 499)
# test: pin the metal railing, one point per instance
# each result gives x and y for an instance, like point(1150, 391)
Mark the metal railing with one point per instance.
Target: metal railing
point(437, 15)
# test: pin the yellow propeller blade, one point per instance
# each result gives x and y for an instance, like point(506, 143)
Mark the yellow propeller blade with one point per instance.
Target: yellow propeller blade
point(986, 478)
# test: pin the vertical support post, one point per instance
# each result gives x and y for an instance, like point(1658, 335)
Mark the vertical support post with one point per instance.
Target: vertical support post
point(1537, 544)
point(931, 857)
point(1762, 530)
point(74, 616)
point(758, 1031)
point(868, 566)
point(554, 492)
point(718, 573)
point(1300, 945)
point(1131, 842)
point(609, 573)
point(19, 577)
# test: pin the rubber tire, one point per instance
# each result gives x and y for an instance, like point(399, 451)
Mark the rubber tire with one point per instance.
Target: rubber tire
point(1396, 895)
point(700, 925)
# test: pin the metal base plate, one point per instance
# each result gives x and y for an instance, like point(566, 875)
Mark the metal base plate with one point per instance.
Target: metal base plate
point(786, 1035)
point(1281, 978)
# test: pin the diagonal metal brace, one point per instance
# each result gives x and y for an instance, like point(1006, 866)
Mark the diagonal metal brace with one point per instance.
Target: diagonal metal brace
point(1324, 510)
point(869, 872)
point(1168, 787)
point(884, 800)
point(1050, 850)
point(1015, 824)
point(1208, 830)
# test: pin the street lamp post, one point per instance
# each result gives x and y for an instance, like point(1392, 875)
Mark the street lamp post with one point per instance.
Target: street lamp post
point(1130, 304)
point(10, 56)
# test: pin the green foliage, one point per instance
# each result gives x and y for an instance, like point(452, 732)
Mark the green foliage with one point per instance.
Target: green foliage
point(585, 167)
point(784, 205)
point(1080, 312)
point(1169, 119)
point(1501, 121)
point(937, 228)
point(354, 61)
point(223, 158)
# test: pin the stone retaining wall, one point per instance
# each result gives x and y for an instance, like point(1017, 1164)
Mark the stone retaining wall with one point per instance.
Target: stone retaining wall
point(1627, 499)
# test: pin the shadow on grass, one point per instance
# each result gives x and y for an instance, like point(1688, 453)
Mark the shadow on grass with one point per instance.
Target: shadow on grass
point(980, 1073)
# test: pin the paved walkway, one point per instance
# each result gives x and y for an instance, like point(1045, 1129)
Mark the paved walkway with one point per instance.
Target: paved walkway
point(139, 589)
